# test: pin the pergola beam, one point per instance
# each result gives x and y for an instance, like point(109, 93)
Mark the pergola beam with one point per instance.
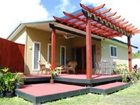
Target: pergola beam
point(81, 19)
point(98, 19)
point(109, 21)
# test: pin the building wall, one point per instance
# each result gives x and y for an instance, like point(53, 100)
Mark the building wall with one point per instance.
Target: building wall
point(44, 38)
point(122, 51)
point(81, 41)
point(20, 37)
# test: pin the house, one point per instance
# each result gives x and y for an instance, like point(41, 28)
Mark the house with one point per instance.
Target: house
point(88, 42)
point(84, 37)
point(37, 39)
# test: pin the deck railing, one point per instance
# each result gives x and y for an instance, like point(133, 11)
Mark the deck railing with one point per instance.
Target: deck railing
point(105, 67)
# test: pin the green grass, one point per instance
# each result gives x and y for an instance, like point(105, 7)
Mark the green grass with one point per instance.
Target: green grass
point(129, 96)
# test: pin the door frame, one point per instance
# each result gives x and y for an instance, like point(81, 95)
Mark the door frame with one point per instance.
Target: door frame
point(64, 54)
point(33, 49)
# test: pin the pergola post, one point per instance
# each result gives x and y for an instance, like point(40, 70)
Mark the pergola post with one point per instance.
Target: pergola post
point(88, 50)
point(53, 49)
point(129, 54)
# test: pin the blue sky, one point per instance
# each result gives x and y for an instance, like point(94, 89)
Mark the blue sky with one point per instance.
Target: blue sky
point(56, 7)
point(14, 12)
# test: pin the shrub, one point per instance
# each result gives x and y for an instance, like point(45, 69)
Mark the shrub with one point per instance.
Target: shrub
point(127, 76)
point(9, 81)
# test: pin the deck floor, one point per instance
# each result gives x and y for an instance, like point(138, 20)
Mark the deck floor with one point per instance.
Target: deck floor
point(48, 89)
point(38, 93)
point(44, 92)
point(83, 76)
point(110, 85)
point(80, 79)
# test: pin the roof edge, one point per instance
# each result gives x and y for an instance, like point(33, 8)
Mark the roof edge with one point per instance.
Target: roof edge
point(22, 25)
point(124, 43)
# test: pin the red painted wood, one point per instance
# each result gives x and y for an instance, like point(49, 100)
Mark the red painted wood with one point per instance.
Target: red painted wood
point(83, 76)
point(129, 54)
point(110, 85)
point(53, 49)
point(112, 21)
point(88, 51)
point(99, 27)
point(93, 9)
point(77, 20)
point(11, 55)
point(111, 14)
point(106, 11)
point(48, 89)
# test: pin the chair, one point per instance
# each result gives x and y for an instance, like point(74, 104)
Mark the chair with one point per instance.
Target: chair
point(44, 68)
point(71, 65)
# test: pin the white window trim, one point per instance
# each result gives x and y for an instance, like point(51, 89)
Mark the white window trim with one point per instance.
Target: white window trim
point(65, 54)
point(116, 51)
point(33, 56)
point(48, 52)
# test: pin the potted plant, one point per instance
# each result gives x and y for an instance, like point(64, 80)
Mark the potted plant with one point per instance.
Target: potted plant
point(9, 82)
point(54, 73)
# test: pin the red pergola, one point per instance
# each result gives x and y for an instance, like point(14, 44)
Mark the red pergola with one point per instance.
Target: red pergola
point(100, 21)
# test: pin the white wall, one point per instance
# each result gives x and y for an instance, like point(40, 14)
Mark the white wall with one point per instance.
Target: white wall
point(22, 38)
point(122, 51)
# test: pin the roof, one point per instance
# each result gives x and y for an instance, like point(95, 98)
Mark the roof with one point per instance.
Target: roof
point(103, 22)
point(116, 40)
point(23, 25)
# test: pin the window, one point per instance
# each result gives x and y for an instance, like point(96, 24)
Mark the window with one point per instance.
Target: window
point(49, 53)
point(62, 55)
point(113, 51)
point(36, 55)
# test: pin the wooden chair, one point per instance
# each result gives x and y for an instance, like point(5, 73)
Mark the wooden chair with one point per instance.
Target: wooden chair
point(71, 66)
point(44, 68)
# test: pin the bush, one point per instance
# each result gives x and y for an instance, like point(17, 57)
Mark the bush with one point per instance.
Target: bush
point(8, 81)
point(127, 76)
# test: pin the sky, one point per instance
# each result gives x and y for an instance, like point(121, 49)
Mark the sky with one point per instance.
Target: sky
point(14, 12)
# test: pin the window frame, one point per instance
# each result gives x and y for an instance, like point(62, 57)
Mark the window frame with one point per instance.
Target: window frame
point(112, 46)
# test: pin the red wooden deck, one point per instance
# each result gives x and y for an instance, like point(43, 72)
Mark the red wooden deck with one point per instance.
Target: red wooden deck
point(38, 93)
point(35, 76)
point(82, 76)
point(110, 85)
point(48, 89)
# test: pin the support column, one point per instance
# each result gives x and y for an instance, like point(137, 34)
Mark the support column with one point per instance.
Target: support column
point(53, 49)
point(88, 50)
point(129, 54)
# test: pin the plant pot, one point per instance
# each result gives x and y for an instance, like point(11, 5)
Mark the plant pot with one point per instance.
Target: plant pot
point(51, 81)
point(9, 94)
point(1, 94)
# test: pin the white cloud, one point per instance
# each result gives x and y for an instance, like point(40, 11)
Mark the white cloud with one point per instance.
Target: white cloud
point(128, 9)
point(65, 5)
point(13, 12)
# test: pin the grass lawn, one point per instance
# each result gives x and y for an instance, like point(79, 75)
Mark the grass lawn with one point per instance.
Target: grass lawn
point(129, 96)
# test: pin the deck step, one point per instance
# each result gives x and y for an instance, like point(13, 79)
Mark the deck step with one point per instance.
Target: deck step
point(109, 88)
point(39, 93)
point(35, 79)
